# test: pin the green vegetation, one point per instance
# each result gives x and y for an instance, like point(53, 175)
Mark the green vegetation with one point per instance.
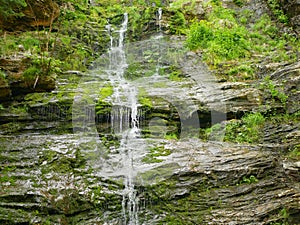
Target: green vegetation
point(178, 23)
point(232, 48)
point(106, 91)
point(144, 99)
point(277, 93)
point(294, 153)
point(31, 72)
point(155, 153)
point(103, 107)
point(220, 37)
point(239, 2)
point(171, 136)
point(278, 12)
point(249, 129)
point(10, 8)
point(248, 180)
point(7, 175)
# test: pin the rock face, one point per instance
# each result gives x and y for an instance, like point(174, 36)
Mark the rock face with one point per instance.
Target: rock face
point(59, 175)
point(290, 77)
point(14, 83)
point(292, 9)
point(52, 173)
point(37, 13)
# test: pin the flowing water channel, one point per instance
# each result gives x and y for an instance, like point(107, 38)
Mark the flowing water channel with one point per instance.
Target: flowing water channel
point(126, 161)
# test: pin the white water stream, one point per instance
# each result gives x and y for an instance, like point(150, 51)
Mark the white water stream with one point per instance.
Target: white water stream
point(124, 119)
point(123, 162)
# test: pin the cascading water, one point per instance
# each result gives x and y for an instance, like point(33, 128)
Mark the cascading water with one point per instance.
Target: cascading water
point(124, 119)
point(159, 12)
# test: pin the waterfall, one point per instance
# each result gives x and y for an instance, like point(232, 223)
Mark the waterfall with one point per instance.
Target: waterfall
point(124, 118)
point(159, 18)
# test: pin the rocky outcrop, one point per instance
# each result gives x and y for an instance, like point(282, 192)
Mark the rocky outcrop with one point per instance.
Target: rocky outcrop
point(289, 77)
point(198, 183)
point(292, 9)
point(14, 83)
point(40, 13)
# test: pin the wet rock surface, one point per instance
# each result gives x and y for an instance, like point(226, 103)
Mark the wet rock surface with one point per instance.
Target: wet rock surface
point(56, 178)
point(55, 172)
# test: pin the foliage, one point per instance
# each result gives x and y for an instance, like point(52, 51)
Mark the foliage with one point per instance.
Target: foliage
point(295, 152)
point(176, 76)
point(10, 8)
point(239, 2)
point(171, 136)
point(220, 37)
point(179, 3)
point(248, 129)
point(178, 24)
point(106, 91)
point(245, 71)
point(248, 180)
point(277, 93)
point(2, 75)
point(231, 47)
point(278, 12)
point(31, 72)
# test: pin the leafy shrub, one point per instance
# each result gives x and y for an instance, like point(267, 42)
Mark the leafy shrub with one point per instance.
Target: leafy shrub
point(2, 75)
point(278, 12)
point(246, 130)
point(178, 23)
point(31, 72)
point(11, 7)
point(277, 93)
point(220, 37)
point(239, 2)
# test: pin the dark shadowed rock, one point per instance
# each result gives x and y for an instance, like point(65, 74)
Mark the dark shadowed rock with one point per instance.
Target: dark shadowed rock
point(292, 9)
point(15, 83)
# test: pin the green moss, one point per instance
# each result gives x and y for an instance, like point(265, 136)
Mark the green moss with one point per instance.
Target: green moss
point(176, 76)
point(155, 153)
point(239, 2)
point(178, 24)
point(103, 107)
point(171, 136)
point(277, 11)
point(144, 99)
point(223, 40)
point(106, 91)
point(248, 180)
point(6, 175)
point(294, 153)
point(31, 73)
